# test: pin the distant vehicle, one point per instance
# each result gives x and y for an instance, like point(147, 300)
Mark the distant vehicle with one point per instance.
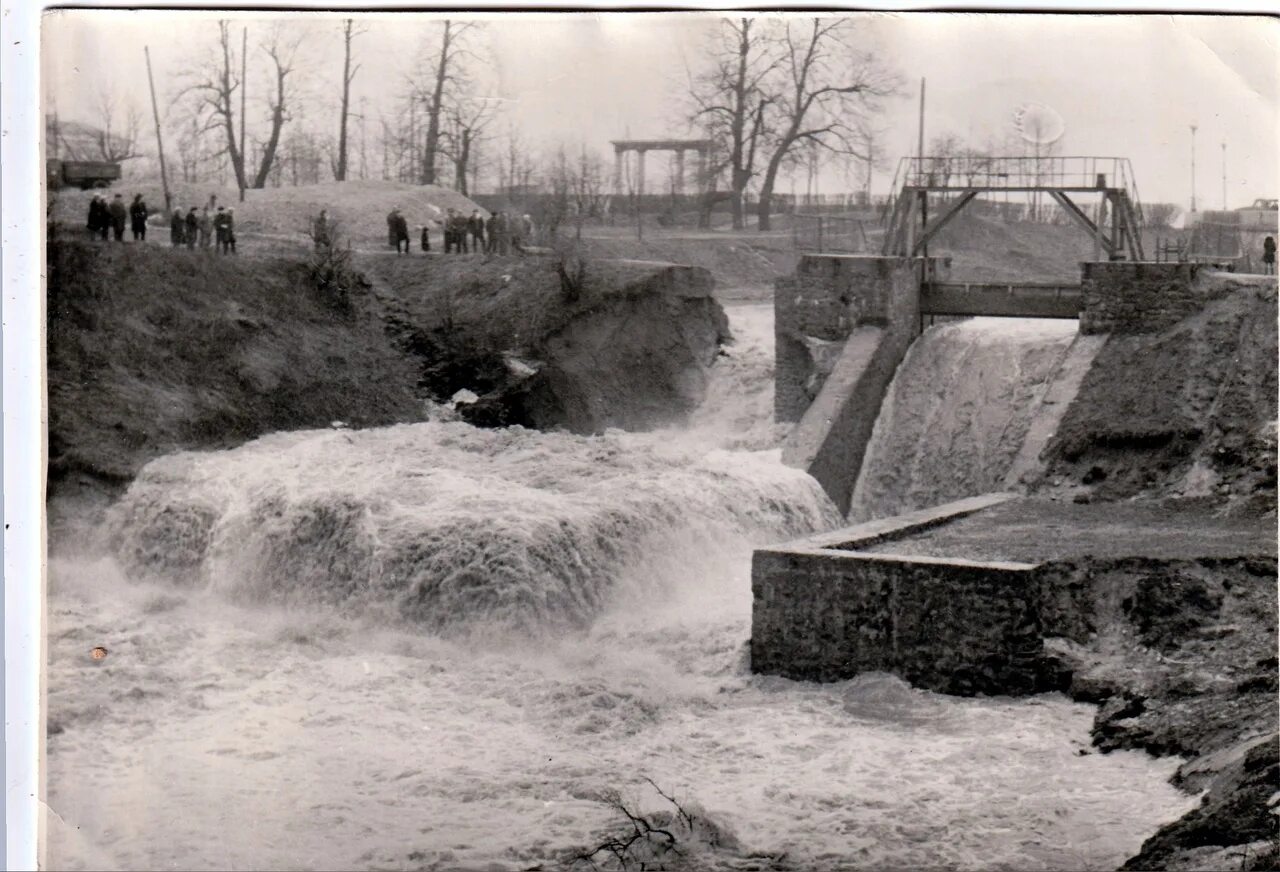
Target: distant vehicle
point(82, 174)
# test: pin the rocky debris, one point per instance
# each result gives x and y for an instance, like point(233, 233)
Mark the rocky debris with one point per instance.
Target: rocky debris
point(597, 344)
point(1181, 656)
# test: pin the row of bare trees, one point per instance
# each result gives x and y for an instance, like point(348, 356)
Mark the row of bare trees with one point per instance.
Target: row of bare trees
point(774, 95)
point(769, 89)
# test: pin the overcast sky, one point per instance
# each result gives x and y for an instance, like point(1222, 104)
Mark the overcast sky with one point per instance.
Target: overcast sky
point(1127, 86)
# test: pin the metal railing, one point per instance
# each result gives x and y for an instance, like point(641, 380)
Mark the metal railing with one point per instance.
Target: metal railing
point(963, 172)
point(1045, 171)
point(829, 233)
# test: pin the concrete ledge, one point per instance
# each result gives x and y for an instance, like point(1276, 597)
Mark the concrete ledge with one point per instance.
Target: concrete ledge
point(825, 611)
point(870, 533)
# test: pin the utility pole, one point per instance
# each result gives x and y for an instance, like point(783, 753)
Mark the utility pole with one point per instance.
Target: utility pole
point(1193, 169)
point(364, 110)
point(155, 110)
point(244, 87)
point(870, 148)
point(924, 197)
point(1224, 177)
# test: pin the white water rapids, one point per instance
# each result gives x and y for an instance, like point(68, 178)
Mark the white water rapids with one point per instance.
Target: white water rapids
point(431, 647)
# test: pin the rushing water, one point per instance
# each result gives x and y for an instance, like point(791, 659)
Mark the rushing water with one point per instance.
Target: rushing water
point(434, 647)
point(957, 412)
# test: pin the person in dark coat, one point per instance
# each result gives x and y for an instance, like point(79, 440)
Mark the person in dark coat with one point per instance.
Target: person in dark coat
point(177, 228)
point(1269, 255)
point(231, 229)
point(450, 231)
point(119, 217)
point(192, 229)
point(426, 238)
point(222, 231)
point(96, 220)
point(398, 230)
point(320, 230)
point(491, 234)
point(138, 218)
point(475, 226)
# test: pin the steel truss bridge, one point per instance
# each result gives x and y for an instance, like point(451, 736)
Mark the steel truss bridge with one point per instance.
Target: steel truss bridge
point(957, 181)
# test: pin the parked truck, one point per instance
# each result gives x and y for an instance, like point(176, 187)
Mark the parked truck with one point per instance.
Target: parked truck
point(82, 174)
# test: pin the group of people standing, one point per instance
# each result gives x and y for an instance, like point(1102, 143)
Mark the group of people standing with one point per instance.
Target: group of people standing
point(204, 228)
point(111, 216)
point(499, 234)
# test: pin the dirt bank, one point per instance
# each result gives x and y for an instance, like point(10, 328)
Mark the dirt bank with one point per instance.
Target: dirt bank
point(583, 346)
point(152, 350)
point(1188, 411)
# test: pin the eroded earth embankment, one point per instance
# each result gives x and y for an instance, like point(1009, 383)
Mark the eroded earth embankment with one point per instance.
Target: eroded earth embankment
point(153, 350)
point(550, 343)
point(1186, 411)
point(1184, 654)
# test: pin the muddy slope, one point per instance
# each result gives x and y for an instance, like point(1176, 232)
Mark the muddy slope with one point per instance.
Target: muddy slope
point(1189, 411)
point(152, 350)
point(584, 346)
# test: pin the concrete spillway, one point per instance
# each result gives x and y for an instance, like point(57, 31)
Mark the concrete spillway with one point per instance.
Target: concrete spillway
point(957, 413)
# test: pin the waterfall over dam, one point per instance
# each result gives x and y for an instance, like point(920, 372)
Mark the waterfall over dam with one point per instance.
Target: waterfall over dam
point(957, 413)
point(436, 646)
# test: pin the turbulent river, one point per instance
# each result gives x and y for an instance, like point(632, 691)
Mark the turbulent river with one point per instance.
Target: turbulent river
point(431, 646)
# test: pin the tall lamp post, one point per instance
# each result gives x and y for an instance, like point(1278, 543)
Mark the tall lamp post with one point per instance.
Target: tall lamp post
point(1193, 169)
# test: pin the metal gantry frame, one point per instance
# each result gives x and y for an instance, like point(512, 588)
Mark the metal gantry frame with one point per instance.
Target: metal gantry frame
point(963, 178)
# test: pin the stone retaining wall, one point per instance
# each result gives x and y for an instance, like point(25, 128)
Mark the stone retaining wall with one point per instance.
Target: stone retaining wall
point(1125, 297)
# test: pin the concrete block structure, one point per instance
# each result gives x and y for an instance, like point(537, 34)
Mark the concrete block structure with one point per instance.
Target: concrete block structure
point(842, 324)
point(889, 596)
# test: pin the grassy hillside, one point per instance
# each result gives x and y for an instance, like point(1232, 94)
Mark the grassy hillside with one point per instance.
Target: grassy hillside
point(152, 350)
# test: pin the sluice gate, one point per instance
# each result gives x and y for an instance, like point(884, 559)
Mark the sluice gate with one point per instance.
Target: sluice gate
point(1001, 299)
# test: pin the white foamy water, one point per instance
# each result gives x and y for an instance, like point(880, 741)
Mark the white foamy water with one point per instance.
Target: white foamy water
point(432, 647)
point(957, 412)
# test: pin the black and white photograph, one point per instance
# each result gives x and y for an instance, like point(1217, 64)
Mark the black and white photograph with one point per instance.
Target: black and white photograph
point(622, 441)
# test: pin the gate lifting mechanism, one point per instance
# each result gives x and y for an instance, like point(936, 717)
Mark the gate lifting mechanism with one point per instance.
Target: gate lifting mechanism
point(961, 179)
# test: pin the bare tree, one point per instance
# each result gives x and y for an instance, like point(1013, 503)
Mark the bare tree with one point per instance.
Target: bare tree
point(119, 124)
point(349, 32)
point(826, 86)
point(515, 168)
point(215, 86)
point(731, 97)
point(282, 48)
point(945, 149)
point(468, 120)
point(446, 80)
